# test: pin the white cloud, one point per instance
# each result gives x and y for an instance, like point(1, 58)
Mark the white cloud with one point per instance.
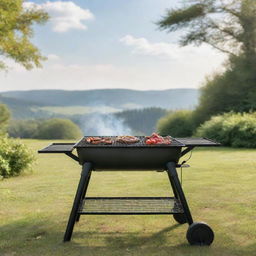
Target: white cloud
point(143, 46)
point(170, 51)
point(64, 15)
point(53, 57)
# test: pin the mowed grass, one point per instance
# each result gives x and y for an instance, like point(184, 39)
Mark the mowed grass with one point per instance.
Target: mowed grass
point(219, 185)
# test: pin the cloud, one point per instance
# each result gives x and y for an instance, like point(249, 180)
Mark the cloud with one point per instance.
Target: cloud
point(53, 57)
point(64, 15)
point(169, 51)
point(143, 46)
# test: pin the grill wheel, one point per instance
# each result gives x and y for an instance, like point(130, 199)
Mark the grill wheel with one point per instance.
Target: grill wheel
point(200, 233)
point(180, 218)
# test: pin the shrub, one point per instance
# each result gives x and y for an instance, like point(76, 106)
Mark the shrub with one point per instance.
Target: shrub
point(4, 118)
point(231, 129)
point(58, 129)
point(177, 124)
point(23, 128)
point(14, 157)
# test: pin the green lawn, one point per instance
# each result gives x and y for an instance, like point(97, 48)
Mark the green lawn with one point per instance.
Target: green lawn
point(220, 188)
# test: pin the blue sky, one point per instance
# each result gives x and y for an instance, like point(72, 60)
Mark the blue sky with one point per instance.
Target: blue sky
point(93, 44)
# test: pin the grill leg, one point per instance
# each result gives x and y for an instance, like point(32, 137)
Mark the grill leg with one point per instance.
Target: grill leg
point(80, 189)
point(84, 193)
point(178, 191)
point(173, 186)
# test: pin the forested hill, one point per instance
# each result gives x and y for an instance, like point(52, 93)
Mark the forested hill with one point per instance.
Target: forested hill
point(117, 98)
point(21, 108)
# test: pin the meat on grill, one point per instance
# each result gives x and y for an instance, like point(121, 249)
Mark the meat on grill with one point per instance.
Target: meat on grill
point(157, 139)
point(127, 139)
point(99, 140)
point(149, 140)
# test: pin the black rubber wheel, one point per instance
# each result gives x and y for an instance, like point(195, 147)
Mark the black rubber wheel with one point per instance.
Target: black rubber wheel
point(180, 218)
point(200, 233)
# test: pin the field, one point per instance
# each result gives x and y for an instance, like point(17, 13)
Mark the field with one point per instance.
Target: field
point(220, 188)
point(79, 110)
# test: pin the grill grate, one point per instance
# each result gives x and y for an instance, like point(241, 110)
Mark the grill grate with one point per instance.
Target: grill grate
point(83, 143)
point(130, 205)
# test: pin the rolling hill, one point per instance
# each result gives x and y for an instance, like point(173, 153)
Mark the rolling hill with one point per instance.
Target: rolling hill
point(24, 109)
point(115, 98)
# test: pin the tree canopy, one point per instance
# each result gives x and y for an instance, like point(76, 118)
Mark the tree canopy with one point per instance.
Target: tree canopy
point(16, 31)
point(227, 25)
point(58, 128)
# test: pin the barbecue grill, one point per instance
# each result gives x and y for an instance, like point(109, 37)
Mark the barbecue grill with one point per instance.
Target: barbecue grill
point(137, 156)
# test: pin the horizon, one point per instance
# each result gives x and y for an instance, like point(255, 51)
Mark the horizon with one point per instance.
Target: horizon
point(102, 89)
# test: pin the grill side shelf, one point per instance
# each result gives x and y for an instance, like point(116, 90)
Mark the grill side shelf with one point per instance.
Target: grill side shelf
point(58, 148)
point(198, 142)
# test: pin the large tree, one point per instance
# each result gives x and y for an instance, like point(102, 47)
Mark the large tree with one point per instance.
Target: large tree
point(227, 25)
point(16, 31)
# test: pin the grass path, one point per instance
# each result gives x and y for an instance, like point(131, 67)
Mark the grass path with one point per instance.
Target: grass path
point(220, 186)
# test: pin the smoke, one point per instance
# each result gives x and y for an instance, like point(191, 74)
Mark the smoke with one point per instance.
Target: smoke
point(104, 125)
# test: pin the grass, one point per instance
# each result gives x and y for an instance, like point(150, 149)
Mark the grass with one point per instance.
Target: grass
point(220, 188)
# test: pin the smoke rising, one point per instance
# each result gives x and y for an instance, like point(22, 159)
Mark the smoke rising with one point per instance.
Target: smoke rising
point(104, 125)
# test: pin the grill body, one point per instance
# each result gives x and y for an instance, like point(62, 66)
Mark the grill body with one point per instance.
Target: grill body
point(128, 158)
point(138, 156)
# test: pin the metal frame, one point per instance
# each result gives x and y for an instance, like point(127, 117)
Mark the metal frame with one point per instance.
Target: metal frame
point(81, 190)
point(178, 191)
point(87, 167)
point(76, 211)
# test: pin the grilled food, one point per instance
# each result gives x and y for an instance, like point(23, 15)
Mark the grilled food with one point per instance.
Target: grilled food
point(127, 139)
point(157, 139)
point(99, 140)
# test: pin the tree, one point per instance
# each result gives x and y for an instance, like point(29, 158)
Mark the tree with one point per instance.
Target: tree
point(176, 124)
point(230, 27)
point(233, 90)
point(15, 33)
point(227, 25)
point(58, 128)
point(132, 118)
point(4, 118)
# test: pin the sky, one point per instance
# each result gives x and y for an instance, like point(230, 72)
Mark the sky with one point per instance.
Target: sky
point(94, 44)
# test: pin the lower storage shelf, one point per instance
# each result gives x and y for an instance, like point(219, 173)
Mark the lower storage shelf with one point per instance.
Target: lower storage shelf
point(130, 205)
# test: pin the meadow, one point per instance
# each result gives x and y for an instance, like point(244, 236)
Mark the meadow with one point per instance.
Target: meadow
point(219, 185)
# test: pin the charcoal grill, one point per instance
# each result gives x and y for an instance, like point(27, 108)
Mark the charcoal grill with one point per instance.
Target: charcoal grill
point(137, 156)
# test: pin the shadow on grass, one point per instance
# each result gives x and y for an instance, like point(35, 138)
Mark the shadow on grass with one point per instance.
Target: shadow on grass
point(44, 237)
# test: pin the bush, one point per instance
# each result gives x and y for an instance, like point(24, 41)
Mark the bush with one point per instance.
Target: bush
point(44, 129)
point(4, 118)
point(177, 124)
point(14, 157)
point(58, 129)
point(23, 128)
point(230, 129)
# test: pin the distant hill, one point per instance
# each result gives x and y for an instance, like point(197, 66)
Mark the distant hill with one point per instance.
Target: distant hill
point(24, 109)
point(116, 98)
